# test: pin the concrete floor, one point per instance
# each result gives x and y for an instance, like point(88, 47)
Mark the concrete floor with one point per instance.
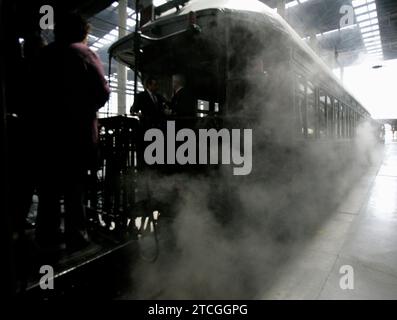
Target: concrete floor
point(361, 234)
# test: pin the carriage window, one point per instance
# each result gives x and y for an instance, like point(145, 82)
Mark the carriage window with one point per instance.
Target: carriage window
point(330, 116)
point(322, 115)
point(350, 122)
point(336, 118)
point(344, 121)
point(311, 111)
point(300, 96)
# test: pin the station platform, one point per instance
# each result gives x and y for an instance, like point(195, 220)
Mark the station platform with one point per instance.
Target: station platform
point(361, 234)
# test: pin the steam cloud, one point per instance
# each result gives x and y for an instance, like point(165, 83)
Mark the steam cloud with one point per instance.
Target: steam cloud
point(231, 234)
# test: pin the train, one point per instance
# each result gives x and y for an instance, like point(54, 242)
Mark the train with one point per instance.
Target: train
point(247, 69)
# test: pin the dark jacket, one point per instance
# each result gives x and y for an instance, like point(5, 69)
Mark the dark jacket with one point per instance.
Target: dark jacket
point(152, 113)
point(183, 104)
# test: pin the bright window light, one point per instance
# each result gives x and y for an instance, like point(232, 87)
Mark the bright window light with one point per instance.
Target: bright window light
point(130, 22)
point(103, 41)
point(109, 37)
point(373, 14)
point(372, 7)
point(114, 32)
point(358, 3)
point(291, 4)
point(97, 45)
point(365, 24)
point(363, 17)
point(157, 3)
point(361, 10)
point(374, 21)
point(373, 43)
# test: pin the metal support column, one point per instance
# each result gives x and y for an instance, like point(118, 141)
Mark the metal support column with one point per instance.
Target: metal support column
point(281, 7)
point(121, 70)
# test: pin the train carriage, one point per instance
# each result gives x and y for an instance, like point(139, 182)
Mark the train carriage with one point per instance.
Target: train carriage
point(238, 56)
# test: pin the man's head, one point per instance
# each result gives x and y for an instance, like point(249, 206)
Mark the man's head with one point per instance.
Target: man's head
point(151, 84)
point(71, 28)
point(178, 81)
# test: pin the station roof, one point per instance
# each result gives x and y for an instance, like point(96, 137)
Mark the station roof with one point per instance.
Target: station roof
point(371, 32)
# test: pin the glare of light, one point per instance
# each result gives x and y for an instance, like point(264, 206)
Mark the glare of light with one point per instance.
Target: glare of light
point(103, 41)
point(357, 3)
point(375, 51)
point(372, 39)
point(114, 32)
point(98, 45)
point(115, 4)
point(373, 14)
point(157, 3)
point(378, 46)
point(365, 24)
point(291, 4)
point(361, 10)
point(363, 17)
point(109, 37)
point(130, 11)
point(130, 22)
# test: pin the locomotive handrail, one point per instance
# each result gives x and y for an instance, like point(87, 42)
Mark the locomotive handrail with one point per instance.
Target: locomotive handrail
point(193, 28)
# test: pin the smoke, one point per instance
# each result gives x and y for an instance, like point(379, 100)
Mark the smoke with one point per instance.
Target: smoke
point(225, 237)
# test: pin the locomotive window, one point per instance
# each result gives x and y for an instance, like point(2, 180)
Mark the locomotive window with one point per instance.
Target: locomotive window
point(322, 114)
point(311, 111)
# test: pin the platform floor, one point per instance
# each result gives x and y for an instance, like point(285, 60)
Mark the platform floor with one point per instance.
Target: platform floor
point(361, 234)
